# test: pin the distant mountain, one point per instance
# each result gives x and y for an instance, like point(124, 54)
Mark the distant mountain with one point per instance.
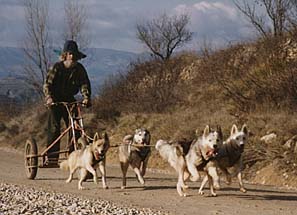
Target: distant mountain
point(11, 61)
point(99, 63)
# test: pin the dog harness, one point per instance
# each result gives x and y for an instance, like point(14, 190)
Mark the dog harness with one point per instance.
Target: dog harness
point(143, 153)
point(230, 151)
point(203, 162)
point(95, 161)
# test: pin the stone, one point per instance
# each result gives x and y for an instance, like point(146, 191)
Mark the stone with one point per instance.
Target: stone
point(269, 138)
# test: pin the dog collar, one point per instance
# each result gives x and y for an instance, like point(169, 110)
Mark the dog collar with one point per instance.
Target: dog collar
point(95, 161)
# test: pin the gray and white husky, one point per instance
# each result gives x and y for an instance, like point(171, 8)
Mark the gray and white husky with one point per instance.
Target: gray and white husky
point(135, 151)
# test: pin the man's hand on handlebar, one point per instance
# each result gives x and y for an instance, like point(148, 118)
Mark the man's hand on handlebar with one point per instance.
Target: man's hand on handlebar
point(86, 103)
point(48, 101)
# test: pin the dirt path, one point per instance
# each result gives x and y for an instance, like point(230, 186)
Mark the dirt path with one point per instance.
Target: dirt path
point(158, 193)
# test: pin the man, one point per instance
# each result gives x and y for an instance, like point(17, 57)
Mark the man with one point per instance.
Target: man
point(64, 80)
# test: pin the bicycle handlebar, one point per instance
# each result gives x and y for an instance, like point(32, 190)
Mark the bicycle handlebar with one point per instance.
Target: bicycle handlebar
point(66, 103)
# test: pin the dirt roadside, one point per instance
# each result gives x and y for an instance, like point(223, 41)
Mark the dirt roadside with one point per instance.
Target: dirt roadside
point(158, 193)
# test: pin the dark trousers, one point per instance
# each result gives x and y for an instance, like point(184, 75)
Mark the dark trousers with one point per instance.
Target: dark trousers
point(56, 114)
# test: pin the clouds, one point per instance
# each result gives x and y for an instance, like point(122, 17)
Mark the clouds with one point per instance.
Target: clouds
point(218, 22)
point(216, 8)
point(111, 24)
point(11, 22)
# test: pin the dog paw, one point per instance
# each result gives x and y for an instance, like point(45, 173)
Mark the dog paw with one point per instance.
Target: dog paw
point(181, 194)
point(201, 193)
point(123, 187)
point(217, 187)
point(228, 180)
point(81, 188)
point(68, 181)
point(213, 194)
point(242, 190)
point(141, 181)
point(105, 187)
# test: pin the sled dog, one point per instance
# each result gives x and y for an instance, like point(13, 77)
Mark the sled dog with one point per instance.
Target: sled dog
point(197, 158)
point(87, 160)
point(173, 154)
point(229, 157)
point(135, 156)
point(201, 157)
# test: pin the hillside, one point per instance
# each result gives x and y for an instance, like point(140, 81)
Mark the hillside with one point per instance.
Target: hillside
point(237, 85)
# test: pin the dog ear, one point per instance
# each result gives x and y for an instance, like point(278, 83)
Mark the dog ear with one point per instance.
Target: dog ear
point(234, 129)
point(206, 131)
point(197, 132)
point(244, 129)
point(106, 142)
point(149, 137)
point(137, 130)
point(105, 136)
point(219, 130)
point(96, 137)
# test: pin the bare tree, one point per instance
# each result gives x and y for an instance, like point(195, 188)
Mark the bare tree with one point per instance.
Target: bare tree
point(75, 23)
point(164, 34)
point(267, 16)
point(36, 44)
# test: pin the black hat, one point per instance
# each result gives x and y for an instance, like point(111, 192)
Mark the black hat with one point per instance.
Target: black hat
point(71, 46)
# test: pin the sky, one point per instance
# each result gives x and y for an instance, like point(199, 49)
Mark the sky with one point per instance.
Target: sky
point(112, 23)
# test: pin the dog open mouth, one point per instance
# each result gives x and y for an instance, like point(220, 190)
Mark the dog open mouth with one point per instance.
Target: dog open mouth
point(97, 155)
point(241, 148)
point(144, 143)
point(211, 153)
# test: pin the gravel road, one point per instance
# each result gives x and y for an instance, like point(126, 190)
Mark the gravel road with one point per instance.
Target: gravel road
point(49, 194)
point(15, 199)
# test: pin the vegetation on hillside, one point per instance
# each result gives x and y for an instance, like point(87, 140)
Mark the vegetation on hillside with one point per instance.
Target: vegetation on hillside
point(253, 83)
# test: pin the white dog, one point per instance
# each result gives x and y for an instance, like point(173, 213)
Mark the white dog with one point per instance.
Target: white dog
point(173, 154)
point(201, 158)
point(87, 159)
point(135, 151)
point(229, 157)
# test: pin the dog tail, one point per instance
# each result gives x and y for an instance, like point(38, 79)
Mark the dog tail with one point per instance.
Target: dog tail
point(64, 165)
point(160, 143)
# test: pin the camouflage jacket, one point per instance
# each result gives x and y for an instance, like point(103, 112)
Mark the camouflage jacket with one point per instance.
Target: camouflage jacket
point(63, 83)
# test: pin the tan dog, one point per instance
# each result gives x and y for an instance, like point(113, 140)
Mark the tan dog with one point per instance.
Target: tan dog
point(88, 159)
point(135, 156)
point(229, 157)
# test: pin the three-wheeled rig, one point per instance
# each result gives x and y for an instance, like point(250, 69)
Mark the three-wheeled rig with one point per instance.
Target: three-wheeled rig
point(77, 138)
